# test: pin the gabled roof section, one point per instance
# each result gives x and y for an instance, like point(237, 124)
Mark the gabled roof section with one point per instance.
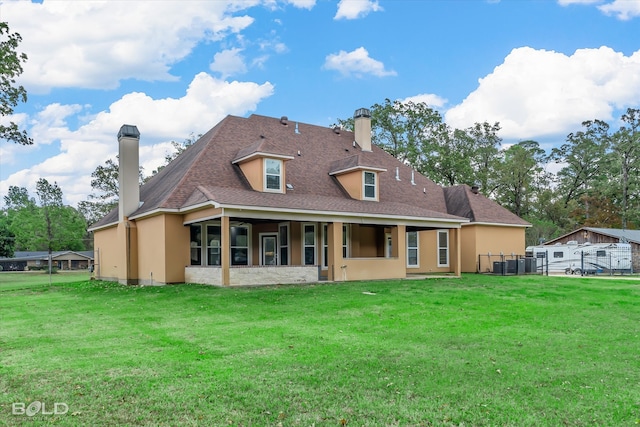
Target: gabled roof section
point(262, 148)
point(623, 235)
point(463, 201)
point(40, 255)
point(155, 192)
point(632, 236)
point(351, 163)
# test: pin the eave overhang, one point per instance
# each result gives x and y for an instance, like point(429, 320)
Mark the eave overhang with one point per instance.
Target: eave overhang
point(260, 154)
point(357, 168)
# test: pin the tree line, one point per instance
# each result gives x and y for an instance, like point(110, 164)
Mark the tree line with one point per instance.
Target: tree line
point(44, 223)
point(41, 223)
point(597, 181)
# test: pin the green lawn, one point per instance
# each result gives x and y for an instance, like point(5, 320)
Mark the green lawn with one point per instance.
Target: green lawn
point(28, 279)
point(476, 351)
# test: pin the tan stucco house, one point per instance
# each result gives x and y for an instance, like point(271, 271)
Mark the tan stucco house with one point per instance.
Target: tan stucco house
point(263, 200)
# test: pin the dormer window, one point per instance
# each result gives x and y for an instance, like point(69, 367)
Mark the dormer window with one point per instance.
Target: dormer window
point(369, 190)
point(273, 175)
point(263, 165)
point(357, 177)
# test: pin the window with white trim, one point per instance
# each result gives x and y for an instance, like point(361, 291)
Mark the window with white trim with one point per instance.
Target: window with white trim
point(283, 236)
point(239, 245)
point(412, 249)
point(272, 175)
point(309, 244)
point(213, 244)
point(345, 240)
point(196, 244)
point(325, 246)
point(369, 185)
point(443, 248)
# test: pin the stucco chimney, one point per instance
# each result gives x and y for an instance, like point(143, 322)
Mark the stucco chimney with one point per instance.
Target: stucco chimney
point(129, 188)
point(362, 128)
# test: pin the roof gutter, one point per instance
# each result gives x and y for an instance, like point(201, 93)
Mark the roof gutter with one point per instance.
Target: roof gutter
point(309, 215)
point(498, 224)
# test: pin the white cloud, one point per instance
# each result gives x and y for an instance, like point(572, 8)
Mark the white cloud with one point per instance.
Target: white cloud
point(303, 4)
point(356, 63)
point(98, 43)
point(10, 151)
point(206, 101)
point(568, 2)
point(535, 93)
point(229, 62)
point(354, 9)
point(280, 47)
point(428, 98)
point(50, 124)
point(623, 10)
point(271, 44)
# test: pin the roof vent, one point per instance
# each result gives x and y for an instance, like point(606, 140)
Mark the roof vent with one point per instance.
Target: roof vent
point(336, 130)
point(297, 131)
point(284, 120)
point(475, 189)
point(289, 186)
point(413, 178)
point(397, 173)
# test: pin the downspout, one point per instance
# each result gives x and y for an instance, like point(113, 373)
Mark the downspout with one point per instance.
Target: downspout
point(96, 271)
point(128, 234)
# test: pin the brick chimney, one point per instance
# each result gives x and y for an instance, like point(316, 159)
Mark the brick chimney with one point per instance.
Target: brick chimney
point(128, 185)
point(362, 128)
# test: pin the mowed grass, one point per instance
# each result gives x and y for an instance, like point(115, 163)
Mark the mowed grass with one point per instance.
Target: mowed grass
point(30, 279)
point(475, 351)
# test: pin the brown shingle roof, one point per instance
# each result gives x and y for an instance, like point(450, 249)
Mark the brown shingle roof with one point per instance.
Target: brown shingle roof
point(353, 162)
point(462, 201)
point(302, 202)
point(264, 145)
point(205, 172)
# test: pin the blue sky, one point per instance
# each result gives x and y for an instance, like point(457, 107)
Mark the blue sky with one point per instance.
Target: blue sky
point(176, 68)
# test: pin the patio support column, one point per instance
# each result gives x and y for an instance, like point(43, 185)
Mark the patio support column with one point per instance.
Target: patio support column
point(225, 249)
point(399, 242)
point(334, 251)
point(399, 247)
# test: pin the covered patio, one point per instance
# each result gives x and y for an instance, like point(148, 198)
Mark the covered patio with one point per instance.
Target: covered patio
point(264, 248)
